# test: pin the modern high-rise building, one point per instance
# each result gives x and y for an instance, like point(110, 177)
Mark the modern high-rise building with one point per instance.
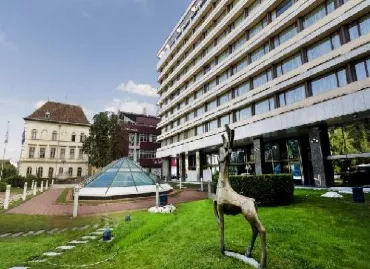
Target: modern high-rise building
point(289, 76)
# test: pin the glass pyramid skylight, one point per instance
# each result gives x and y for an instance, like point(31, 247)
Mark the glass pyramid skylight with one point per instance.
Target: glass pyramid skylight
point(121, 173)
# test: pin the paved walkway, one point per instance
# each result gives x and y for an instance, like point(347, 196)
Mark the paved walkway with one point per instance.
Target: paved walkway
point(45, 204)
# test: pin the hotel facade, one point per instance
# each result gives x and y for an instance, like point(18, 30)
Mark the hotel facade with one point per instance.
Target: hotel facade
point(285, 75)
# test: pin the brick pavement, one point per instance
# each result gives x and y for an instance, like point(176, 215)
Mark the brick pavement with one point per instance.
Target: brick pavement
point(45, 204)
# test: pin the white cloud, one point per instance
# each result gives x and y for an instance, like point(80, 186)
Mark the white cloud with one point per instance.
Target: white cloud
point(4, 41)
point(85, 14)
point(39, 103)
point(138, 89)
point(131, 106)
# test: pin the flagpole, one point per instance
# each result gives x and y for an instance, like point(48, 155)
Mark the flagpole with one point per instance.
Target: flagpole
point(5, 143)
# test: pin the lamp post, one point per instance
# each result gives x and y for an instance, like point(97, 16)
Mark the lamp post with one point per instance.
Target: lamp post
point(5, 143)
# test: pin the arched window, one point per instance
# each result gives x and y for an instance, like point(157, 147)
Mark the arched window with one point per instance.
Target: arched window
point(79, 171)
point(73, 139)
point(54, 136)
point(40, 171)
point(70, 171)
point(51, 172)
point(82, 137)
point(29, 171)
point(34, 134)
point(60, 171)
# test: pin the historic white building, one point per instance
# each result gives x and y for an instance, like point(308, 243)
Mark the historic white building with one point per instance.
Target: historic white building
point(52, 142)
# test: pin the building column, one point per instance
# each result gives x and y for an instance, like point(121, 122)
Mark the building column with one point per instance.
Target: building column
point(182, 166)
point(198, 165)
point(186, 163)
point(166, 168)
point(257, 148)
point(178, 167)
point(320, 148)
point(135, 150)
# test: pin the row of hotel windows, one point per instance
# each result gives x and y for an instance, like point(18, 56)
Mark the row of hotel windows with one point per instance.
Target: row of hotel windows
point(42, 153)
point(54, 136)
point(141, 138)
point(307, 54)
point(40, 171)
point(309, 19)
point(352, 72)
point(143, 154)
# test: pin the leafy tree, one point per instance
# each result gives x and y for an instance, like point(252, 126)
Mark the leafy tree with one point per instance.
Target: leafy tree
point(106, 140)
point(9, 169)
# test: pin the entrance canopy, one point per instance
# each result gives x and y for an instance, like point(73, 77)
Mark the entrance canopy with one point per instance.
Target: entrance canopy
point(121, 178)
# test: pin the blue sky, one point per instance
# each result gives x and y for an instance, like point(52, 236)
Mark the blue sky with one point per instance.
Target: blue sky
point(95, 53)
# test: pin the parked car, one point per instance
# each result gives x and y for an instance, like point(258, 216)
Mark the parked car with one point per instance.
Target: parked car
point(358, 175)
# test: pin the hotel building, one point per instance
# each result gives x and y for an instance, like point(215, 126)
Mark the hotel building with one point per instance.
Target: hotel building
point(281, 73)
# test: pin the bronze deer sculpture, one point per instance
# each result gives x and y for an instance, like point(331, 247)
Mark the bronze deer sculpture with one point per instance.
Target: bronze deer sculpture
point(231, 203)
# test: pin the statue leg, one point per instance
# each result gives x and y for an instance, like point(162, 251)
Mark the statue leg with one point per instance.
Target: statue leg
point(221, 227)
point(248, 253)
point(262, 233)
point(216, 211)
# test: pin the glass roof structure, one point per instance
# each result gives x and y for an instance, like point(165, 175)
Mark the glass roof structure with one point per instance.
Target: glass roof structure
point(119, 179)
point(121, 173)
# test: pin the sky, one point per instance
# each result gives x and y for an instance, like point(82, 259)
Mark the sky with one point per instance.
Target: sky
point(99, 54)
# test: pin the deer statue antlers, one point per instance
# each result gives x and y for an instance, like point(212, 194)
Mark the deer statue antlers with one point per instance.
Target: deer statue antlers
point(231, 203)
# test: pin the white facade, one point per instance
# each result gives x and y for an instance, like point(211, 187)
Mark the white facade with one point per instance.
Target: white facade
point(54, 150)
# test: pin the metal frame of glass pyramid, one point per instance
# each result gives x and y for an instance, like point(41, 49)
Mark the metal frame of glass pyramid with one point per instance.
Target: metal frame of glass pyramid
point(121, 178)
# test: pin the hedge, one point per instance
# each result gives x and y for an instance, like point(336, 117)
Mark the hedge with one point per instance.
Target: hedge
point(3, 186)
point(269, 190)
point(18, 181)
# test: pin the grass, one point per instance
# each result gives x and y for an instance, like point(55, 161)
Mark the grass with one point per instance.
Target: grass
point(63, 196)
point(312, 233)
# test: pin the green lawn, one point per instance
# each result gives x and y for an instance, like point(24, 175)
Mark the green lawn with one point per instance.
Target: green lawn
point(312, 233)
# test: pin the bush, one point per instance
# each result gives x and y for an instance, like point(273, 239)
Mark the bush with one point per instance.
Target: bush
point(268, 190)
point(16, 181)
point(3, 186)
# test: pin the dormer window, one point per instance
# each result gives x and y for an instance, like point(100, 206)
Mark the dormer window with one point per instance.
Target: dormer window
point(47, 115)
point(73, 137)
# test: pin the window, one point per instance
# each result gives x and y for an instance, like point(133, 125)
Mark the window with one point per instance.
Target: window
point(224, 120)
point(29, 171)
point(200, 111)
point(73, 139)
point(212, 105)
point(324, 46)
point(243, 113)
point(52, 153)
point(240, 66)
point(80, 154)
point(190, 116)
point(288, 65)
point(31, 152)
point(285, 35)
point(362, 69)
point(51, 172)
point(145, 137)
point(220, 58)
point(70, 171)
point(40, 172)
point(54, 136)
point(258, 27)
point(284, 6)
point(242, 89)
point(71, 153)
point(223, 77)
point(60, 171)
point(62, 153)
point(262, 78)
point(79, 171)
point(292, 96)
point(258, 53)
point(239, 43)
point(34, 134)
point(318, 13)
point(200, 129)
point(42, 153)
point(264, 106)
point(329, 82)
point(223, 99)
point(359, 28)
point(82, 137)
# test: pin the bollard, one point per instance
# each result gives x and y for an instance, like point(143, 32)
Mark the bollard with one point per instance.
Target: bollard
point(180, 183)
point(7, 197)
point(42, 186)
point(24, 192)
point(75, 202)
point(34, 189)
point(201, 184)
point(52, 182)
point(46, 185)
point(32, 185)
point(157, 195)
point(209, 189)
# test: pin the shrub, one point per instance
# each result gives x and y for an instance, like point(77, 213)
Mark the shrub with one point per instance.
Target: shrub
point(16, 181)
point(268, 190)
point(3, 186)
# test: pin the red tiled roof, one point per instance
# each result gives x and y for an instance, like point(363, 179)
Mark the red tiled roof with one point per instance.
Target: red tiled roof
point(147, 120)
point(59, 112)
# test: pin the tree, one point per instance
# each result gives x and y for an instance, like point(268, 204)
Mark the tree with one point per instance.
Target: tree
point(106, 140)
point(9, 169)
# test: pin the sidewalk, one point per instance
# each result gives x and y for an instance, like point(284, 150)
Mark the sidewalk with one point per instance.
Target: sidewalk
point(45, 204)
